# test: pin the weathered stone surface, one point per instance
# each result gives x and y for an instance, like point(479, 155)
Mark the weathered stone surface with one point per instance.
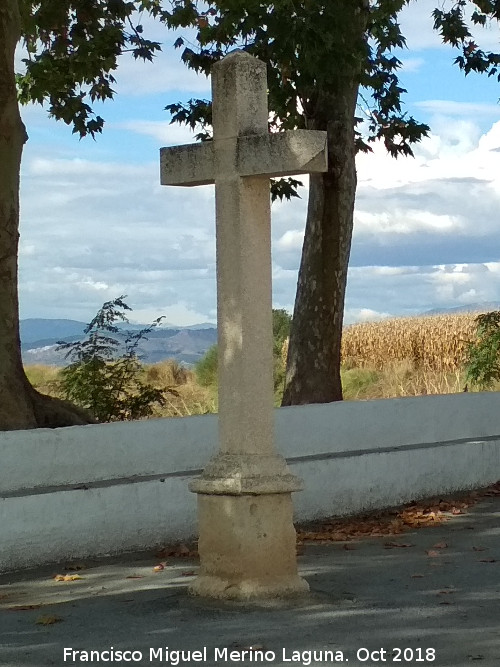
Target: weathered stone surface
point(237, 474)
point(269, 155)
point(247, 539)
point(247, 547)
point(191, 164)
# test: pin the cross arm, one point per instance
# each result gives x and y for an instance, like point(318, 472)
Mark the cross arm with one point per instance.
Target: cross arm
point(191, 164)
point(283, 153)
point(270, 155)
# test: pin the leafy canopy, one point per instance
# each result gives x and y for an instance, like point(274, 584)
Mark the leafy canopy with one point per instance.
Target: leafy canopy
point(313, 47)
point(455, 30)
point(310, 48)
point(72, 49)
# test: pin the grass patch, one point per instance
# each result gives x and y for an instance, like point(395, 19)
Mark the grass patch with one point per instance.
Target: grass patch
point(190, 397)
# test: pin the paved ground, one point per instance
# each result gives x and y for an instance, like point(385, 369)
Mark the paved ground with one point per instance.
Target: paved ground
point(368, 604)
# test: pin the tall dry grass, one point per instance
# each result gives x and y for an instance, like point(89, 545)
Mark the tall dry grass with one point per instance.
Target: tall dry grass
point(186, 397)
point(44, 378)
point(410, 356)
point(437, 342)
point(399, 379)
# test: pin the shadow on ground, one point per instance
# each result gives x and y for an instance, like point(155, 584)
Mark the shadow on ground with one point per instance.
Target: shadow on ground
point(434, 589)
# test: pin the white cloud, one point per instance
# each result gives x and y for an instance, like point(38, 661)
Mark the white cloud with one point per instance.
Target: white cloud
point(77, 167)
point(465, 284)
point(98, 286)
point(97, 230)
point(452, 108)
point(291, 240)
point(180, 313)
point(405, 221)
point(353, 315)
point(417, 25)
point(410, 65)
point(420, 288)
point(164, 74)
point(95, 227)
point(165, 133)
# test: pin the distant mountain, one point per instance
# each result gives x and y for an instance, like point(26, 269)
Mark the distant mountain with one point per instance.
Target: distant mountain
point(36, 329)
point(39, 338)
point(484, 307)
point(204, 325)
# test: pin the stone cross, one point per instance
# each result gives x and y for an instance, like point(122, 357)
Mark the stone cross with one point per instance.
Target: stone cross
point(247, 539)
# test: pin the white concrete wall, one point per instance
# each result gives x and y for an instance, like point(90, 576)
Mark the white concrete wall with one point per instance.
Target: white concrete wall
point(92, 490)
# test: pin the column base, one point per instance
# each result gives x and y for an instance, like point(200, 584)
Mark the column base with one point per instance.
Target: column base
point(248, 590)
point(247, 547)
point(239, 474)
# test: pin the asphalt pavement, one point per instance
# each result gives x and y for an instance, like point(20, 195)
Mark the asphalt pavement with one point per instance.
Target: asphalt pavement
point(426, 597)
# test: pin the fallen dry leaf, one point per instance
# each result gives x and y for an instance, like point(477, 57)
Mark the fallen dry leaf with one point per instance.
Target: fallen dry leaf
point(432, 553)
point(48, 620)
point(395, 545)
point(479, 549)
point(67, 577)
point(440, 545)
point(24, 607)
point(393, 522)
point(178, 551)
point(159, 567)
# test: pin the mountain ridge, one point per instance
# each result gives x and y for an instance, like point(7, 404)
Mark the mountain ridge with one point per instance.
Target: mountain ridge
point(479, 307)
point(40, 338)
point(186, 344)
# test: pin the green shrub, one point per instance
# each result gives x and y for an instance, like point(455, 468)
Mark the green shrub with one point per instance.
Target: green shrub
point(357, 381)
point(483, 358)
point(206, 368)
point(105, 375)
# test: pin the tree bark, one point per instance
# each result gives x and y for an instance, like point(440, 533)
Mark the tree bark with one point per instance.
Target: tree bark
point(313, 361)
point(21, 406)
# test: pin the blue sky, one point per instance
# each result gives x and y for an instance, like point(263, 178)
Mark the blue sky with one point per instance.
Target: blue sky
point(95, 223)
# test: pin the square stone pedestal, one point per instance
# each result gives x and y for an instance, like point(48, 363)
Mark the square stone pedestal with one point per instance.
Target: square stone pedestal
point(247, 547)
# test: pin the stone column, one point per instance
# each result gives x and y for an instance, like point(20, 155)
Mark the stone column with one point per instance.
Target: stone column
point(247, 538)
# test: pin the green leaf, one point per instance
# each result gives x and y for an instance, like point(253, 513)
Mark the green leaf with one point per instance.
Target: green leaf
point(73, 45)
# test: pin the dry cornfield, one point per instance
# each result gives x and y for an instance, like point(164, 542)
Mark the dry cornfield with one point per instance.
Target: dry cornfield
point(434, 342)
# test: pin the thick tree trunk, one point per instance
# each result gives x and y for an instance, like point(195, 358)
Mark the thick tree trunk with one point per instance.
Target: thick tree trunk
point(313, 362)
point(20, 405)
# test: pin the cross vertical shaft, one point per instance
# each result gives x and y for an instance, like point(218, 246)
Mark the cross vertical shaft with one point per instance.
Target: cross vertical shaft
point(244, 265)
point(247, 538)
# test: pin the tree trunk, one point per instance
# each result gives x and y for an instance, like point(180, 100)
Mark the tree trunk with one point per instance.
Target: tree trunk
point(21, 406)
point(313, 362)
